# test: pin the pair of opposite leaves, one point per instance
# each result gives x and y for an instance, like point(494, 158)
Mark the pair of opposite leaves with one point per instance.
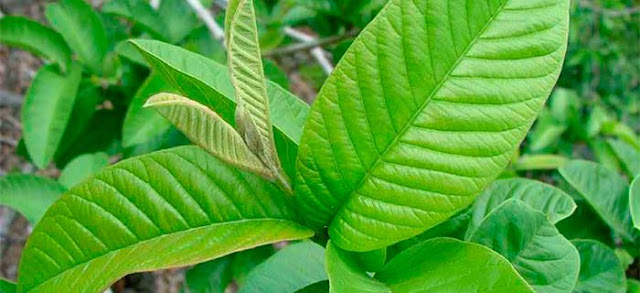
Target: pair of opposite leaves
point(421, 114)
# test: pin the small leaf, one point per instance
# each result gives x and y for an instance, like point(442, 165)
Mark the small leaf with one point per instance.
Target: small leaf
point(605, 191)
point(206, 129)
point(47, 108)
point(168, 209)
point(449, 265)
point(209, 277)
point(634, 201)
point(540, 162)
point(629, 156)
point(35, 37)
point(30, 195)
point(140, 12)
point(140, 124)
point(293, 268)
point(83, 30)
point(554, 203)
point(600, 269)
point(82, 167)
point(532, 244)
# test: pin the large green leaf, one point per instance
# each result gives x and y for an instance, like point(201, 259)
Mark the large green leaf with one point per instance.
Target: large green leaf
point(436, 265)
point(140, 124)
point(252, 114)
point(140, 12)
point(634, 201)
point(628, 155)
point(532, 244)
point(167, 209)
point(47, 108)
point(35, 37)
point(82, 167)
point(600, 269)
point(605, 191)
point(423, 112)
point(208, 83)
point(28, 194)
point(83, 30)
point(554, 203)
point(289, 270)
point(7, 287)
point(206, 129)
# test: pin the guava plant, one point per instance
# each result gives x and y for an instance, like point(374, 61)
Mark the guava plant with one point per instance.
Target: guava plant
point(420, 116)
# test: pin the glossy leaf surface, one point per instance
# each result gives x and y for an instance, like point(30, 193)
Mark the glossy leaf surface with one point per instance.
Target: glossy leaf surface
point(47, 108)
point(206, 129)
point(83, 30)
point(532, 244)
point(35, 37)
point(28, 194)
point(168, 209)
point(423, 112)
point(600, 269)
point(554, 203)
point(293, 268)
point(605, 191)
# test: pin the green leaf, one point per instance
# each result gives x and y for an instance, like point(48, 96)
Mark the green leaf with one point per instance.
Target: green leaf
point(554, 203)
point(633, 285)
point(82, 29)
point(605, 191)
point(209, 277)
point(47, 108)
point(600, 269)
point(252, 114)
point(436, 265)
point(371, 261)
point(346, 275)
point(28, 194)
point(629, 156)
point(532, 244)
point(7, 287)
point(30, 35)
point(289, 270)
point(139, 12)
point(319, 287)
point(634, 201)
point(179, 19)
point(206, 129)
point(423, 112)
point(167, 209)
point(129, 52)
point(82, 167)
point(540, 162)
point(584, 223)
point(245, 261)
point(207, 82)
point(140, 124)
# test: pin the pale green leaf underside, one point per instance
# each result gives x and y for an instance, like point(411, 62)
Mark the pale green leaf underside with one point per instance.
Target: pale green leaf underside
point(605, 191)
point(554, 203)
point(47, 108)
point(82, 29)
point(600, 269)
point(82, 167)
point(167, 209)
point(436, 265)
point(247, 75)
point(30, 195)
point(423, 112)
point(206, 129)
point(532, 244)
point(35, 37)
point(140, 124)
point(289, 270)
point(634, 201)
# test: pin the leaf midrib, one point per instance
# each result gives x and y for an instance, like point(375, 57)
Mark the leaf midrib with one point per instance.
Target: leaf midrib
point(193, 229)
point(409, 122)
